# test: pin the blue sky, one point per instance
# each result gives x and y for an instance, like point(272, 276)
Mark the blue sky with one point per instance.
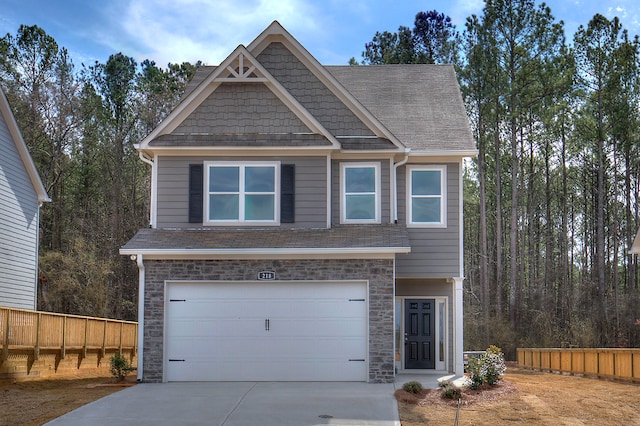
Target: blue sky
point(190, 30)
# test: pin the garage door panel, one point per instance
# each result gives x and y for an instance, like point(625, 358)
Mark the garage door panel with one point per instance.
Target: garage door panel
point(242, 348)
point(218, 331)
point(198, 309)
point(271, 370)
point(212, 327)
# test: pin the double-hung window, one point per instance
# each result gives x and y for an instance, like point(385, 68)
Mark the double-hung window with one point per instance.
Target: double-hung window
point(360, 189)
point(242, 193)
point(426, 194)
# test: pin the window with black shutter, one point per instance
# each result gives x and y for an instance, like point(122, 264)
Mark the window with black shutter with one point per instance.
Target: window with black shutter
point(287, 193)
point(195, 193)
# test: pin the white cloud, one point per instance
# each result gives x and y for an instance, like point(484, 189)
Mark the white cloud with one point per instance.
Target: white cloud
point(461, 9)
point(191, 30)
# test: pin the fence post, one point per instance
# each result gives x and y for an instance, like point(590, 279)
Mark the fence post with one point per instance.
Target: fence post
point(86, 330)
point(5, 348)
point(63, 350)
point(36, 350)
point(104, 338)
point(120, 347)
point(134, 350)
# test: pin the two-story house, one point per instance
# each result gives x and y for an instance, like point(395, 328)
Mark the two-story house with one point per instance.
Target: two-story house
point(21, 194)
point(306, 222)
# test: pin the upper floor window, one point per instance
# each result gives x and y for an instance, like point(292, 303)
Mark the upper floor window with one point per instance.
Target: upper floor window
point(242, 192)
point(360, 188)
point(426, 193)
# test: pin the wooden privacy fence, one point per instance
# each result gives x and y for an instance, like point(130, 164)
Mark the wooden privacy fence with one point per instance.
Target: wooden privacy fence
point(32, 335)
point(613, 363)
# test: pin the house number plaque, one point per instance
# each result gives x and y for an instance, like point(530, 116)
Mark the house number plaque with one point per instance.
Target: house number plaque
point(266, 275)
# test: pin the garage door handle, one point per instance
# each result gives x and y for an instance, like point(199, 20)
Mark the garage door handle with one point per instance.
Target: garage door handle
point(266, 324)
point(357, 359)
point(176, 360)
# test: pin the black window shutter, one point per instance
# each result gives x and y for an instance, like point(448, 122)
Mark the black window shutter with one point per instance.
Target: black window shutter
point(195, 193)
point(287, 193)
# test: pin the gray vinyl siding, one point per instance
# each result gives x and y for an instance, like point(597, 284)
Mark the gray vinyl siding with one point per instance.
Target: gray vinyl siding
point(336, 191)
point(435, 252)
point(310, 189)
point(18, 228)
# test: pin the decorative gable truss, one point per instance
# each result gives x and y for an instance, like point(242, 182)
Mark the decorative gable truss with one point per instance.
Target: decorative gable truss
point(241, 68)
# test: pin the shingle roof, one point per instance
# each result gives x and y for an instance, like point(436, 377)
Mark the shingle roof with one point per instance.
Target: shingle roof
point(419, 103)
point(393, 238)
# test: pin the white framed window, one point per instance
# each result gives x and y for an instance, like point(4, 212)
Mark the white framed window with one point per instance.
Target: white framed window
point(427, 196)
point(242, 193)
point(360, 193)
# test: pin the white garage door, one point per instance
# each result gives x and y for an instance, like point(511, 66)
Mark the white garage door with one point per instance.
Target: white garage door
point(266, 331)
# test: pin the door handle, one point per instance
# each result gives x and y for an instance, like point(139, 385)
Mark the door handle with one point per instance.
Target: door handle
point(266, 324)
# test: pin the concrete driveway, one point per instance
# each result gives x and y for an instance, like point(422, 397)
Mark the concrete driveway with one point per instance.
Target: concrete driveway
point(242, 403)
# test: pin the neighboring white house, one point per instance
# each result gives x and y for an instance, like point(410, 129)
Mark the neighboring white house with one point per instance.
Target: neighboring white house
point(635, 247)
point(21, 195)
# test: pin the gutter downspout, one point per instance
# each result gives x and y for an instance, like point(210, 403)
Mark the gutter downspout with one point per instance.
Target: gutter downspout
point(152, 200)
point(145, 159)
point(394, 177)
point(141, 278)
point(37, 259)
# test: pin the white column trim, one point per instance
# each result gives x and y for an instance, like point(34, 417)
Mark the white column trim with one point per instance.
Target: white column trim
point(460, 215)
point(329, 194)
point(141, 278)
point(458, 336)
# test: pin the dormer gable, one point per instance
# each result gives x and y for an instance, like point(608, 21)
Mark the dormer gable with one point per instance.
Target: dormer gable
point(277, 34)
point(236, 73)
point(202, 120)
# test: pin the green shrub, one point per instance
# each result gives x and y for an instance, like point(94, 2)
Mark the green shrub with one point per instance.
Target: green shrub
point(449, 390)
point(412, 387)
point(120, 366)
point(488, 368)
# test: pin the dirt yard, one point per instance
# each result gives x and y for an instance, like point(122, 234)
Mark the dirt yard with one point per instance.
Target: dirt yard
point(524, 397)
point(36, 402)
point(534, 398)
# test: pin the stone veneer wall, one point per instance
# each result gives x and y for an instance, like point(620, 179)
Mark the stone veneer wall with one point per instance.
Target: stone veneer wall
point(379, 273)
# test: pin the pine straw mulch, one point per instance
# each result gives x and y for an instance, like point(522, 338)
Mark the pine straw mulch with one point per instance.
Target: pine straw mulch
point(469, 396)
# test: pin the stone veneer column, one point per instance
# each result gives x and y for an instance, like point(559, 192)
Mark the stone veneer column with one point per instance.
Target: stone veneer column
point(378, 272)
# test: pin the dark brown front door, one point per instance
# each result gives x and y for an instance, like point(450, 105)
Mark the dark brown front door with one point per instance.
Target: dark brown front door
point(419, 333)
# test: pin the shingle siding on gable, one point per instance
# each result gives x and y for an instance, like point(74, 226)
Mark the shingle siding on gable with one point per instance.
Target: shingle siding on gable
point(18, 228)
point(311, 93)
point(310, 189)
point(435, 252)
point(242, 108)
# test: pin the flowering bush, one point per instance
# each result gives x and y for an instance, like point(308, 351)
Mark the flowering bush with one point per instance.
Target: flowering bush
point(488, 368)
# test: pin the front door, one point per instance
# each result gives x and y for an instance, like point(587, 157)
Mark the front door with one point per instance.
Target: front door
point(419, 334)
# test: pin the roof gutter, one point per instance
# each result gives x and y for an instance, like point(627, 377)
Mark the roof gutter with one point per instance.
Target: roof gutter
point(143, 157)
point(293, 251)
point(394, 186)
